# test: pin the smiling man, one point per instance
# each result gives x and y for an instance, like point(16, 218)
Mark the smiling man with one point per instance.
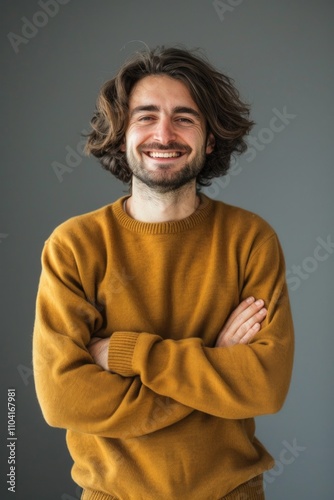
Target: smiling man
point(165, 165)
point(163, 324)
point(165, 145)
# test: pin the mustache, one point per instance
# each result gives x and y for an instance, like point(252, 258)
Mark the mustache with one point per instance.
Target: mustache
point(172, 145)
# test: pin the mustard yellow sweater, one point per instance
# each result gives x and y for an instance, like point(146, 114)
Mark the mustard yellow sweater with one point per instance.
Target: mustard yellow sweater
point(173, 418)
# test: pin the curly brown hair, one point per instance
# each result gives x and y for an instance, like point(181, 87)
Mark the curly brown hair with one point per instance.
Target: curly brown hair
point(227, 117)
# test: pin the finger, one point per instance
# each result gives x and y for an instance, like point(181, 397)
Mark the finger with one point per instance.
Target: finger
point(238, 310)
point(250, 334)
point(243, 336)
point(249, 324)
point(246, 310)
point(93, 340)
point(93, 349)
point(243, 316)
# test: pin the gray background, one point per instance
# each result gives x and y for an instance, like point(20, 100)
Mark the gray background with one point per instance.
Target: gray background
point(279, 54)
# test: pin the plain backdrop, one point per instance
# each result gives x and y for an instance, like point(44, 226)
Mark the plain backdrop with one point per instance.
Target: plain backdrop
point(54, 60)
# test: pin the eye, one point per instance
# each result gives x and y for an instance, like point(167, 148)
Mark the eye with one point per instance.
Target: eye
point(184, 120)
point(145, 118)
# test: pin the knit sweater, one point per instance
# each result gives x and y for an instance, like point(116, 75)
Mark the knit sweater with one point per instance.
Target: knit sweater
point(173, 418)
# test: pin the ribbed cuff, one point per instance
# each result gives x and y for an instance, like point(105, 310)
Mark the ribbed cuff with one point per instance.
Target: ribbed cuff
point(96, 495)
point(251, 490)
point(120, 353)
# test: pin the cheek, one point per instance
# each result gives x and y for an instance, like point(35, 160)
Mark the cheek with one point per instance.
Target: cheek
point(196, 134)
point(135, 137)
point(198, 140)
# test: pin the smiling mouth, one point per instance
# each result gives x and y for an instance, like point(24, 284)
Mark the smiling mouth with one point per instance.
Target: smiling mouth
point(164, 154)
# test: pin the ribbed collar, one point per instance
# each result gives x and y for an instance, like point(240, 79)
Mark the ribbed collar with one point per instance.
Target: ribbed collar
point(177, 226)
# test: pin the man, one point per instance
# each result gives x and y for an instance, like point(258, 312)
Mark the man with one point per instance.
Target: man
point(163, 324)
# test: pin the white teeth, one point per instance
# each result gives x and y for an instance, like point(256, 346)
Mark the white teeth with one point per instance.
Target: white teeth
point(155, 154)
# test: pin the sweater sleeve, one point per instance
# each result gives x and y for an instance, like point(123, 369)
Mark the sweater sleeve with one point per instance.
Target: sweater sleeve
point(234, 382)
point(74, 392)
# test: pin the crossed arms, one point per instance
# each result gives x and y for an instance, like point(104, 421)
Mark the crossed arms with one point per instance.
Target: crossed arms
point(244, 322)
point(116, 386)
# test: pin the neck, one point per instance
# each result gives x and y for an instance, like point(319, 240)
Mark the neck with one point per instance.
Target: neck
point(147, 205)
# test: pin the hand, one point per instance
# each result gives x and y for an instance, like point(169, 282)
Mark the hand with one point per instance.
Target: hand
point(98, 349)
point(244, 322)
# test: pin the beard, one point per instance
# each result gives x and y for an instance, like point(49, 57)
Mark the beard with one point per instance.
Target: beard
point(163, 179)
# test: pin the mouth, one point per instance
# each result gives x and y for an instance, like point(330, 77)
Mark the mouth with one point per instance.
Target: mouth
point(162, 155)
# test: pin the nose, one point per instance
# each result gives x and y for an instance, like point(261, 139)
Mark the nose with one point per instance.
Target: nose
point(164, 131)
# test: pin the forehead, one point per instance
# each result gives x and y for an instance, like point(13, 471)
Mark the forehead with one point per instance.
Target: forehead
point(161, 90)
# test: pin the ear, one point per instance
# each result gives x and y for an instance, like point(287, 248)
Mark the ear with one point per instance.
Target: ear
point(210, 144)
point(123, 146)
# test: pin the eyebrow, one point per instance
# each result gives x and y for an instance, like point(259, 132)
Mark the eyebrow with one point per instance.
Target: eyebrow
point(176, 110)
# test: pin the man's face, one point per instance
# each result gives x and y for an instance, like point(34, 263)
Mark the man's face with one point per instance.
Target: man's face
point(165, 141)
